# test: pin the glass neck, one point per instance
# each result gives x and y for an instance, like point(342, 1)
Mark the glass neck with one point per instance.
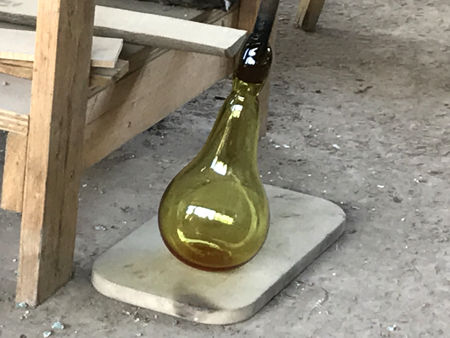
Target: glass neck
point(243, 88)
point(234, 137)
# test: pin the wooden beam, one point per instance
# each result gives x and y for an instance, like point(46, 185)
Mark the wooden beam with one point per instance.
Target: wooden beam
point(147, 101)
point(15, 92)
point(14, 172)
point(146, 29)
point(54, 147)
point(301, 11)
point(312, 15)
point(125, 99)
point(143, 102)
point(15, 70)
point(248, 10)
point(99, 77)
point(17, 44)
point(13, 122)
point(165, 32)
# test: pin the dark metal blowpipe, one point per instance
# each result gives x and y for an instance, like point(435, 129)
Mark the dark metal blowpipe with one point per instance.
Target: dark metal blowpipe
point(256, 56)
point(265, 19)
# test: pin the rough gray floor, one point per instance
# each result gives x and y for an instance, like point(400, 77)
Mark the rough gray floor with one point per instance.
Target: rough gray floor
point(364, 106)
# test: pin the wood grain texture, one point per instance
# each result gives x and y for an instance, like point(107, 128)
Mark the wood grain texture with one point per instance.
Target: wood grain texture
point(111, 98)
point(312, 15)
point(146, 29)
point(13, 122)
point(14, 172)
point(140, 100)
point(166, 32)
point(54, 147)
point(15, 97)
point(148, 102)
point(15, 92)
point(99, 77)
point(15, 70)
point(301, 11)
point(18, 44)
point(248, 11)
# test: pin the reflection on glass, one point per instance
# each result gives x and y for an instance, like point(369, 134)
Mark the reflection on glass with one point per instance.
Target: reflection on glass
point(219, 167)
point(206, 213)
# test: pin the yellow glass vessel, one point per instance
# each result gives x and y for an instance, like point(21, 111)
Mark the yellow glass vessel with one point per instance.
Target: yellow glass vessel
point(214, 215)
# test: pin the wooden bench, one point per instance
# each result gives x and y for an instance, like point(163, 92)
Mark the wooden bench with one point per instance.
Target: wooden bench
point(69, 127)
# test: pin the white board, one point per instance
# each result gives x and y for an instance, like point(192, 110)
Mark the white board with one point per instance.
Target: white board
point(139, 270)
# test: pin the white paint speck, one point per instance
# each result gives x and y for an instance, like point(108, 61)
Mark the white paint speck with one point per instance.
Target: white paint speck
point(335, 146)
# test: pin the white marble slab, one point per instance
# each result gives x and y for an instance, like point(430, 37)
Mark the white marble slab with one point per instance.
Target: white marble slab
point(139, 270)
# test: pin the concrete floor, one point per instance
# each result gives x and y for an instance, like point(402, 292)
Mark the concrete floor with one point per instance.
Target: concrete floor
point(363, 109)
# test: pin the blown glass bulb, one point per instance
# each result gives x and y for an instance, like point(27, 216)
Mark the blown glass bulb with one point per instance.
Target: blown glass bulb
point(214, 215)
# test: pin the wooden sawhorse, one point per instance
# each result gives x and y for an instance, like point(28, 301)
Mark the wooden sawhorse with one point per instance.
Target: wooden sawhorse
point(67, 131)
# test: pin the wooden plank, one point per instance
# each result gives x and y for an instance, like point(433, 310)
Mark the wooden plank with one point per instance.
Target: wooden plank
point(54, 147)
point(117, 98)
point(98, 76)
point(301, 11)
point(15, 93)
point(19, 45)
point(145, 28)
point(165, 32)
point(17, 63)
point(17, 71)
point(105, 51)
point(13, 122)
point(248, 10)
point(103, 77)
point(138, 56)
point(14, 172)
point(15, 98)
point(312, 15)
point(147, 101)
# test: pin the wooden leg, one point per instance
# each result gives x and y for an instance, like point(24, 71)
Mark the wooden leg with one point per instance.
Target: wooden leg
point(248, 10)
point(14, 172)
point(312, 15)
point(301, 12)
point(54, 148)
point(308, 14)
